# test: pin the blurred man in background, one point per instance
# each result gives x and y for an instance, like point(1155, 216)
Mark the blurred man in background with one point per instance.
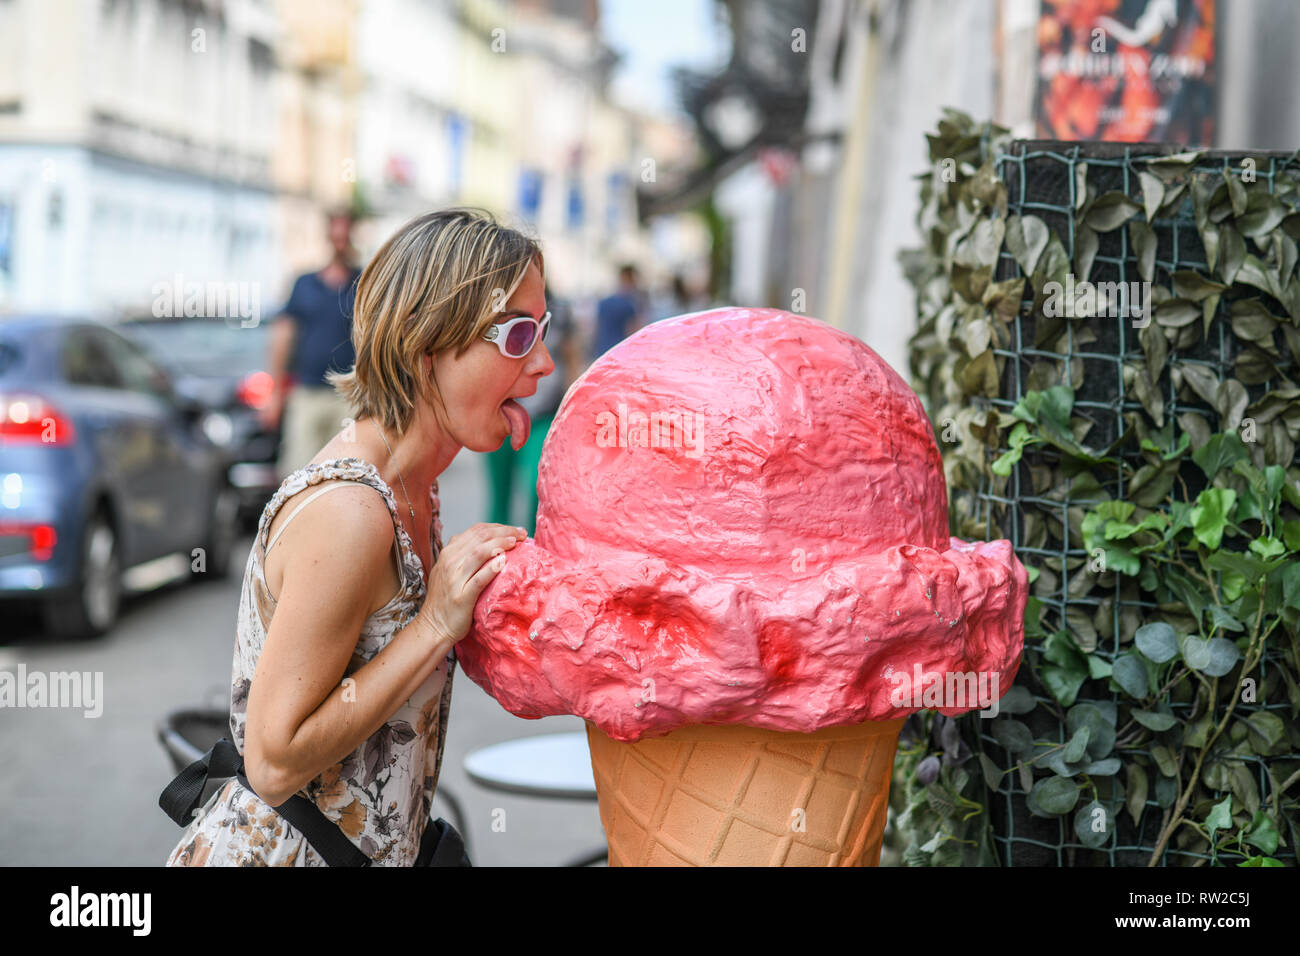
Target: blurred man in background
point(311, 337)
point(621, 313)
point(678, 299)
point(505, 463)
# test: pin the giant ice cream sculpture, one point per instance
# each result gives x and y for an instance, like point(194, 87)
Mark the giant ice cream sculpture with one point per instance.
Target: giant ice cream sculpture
point(741, 567)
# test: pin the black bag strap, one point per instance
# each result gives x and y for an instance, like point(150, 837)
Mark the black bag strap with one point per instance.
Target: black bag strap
point(325, 837)
point(181, 798)
point(442, 845)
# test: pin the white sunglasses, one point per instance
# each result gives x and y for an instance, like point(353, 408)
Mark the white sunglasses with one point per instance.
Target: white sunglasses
point(516, 337)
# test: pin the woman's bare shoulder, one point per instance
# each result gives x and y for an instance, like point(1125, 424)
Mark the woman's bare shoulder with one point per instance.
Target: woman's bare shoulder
point(349, 530)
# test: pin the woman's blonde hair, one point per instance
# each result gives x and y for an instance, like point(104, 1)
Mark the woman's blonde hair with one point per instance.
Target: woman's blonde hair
point(437, 283)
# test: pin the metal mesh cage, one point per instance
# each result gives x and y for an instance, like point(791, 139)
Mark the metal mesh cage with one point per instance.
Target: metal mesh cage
point(1042, 179)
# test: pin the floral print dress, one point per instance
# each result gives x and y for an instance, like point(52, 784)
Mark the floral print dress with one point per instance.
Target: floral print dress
point(380, 794)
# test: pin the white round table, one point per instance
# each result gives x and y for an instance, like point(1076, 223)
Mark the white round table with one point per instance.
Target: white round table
point(545, 765)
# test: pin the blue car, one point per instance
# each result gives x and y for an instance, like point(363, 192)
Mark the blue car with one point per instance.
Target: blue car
point(220, 364)
point(106, 476)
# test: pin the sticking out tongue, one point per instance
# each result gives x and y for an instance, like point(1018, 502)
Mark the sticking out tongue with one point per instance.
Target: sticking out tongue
point(520, 426)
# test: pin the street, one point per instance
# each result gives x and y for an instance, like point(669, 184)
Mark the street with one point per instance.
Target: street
point(83, 791)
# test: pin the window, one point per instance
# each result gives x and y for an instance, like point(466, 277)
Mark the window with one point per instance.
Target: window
point(134, 368)
point(85, 361)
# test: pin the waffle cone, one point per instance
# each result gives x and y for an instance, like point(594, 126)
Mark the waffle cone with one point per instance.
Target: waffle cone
point(744, 796)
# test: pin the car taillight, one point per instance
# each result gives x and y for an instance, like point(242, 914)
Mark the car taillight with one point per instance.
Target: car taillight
point(41, 538)
point(29, 419)
point(255, 390)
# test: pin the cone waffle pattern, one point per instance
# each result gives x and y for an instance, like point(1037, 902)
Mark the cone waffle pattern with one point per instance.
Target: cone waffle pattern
point(743, 796)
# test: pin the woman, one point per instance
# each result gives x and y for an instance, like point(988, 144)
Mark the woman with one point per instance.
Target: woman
point(343, 657)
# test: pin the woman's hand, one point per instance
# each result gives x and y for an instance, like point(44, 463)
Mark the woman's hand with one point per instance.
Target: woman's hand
point(464, 567)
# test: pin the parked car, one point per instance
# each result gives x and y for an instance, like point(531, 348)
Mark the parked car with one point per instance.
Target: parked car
point(221, 364)
point(106, 474)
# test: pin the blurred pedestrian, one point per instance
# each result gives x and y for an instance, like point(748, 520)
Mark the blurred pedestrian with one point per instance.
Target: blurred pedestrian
point(678, 300)
point(621, 313)
point(311, 338)
point(506, 463)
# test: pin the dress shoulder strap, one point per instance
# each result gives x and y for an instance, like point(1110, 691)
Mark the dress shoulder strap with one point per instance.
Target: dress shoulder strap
point(303, 504)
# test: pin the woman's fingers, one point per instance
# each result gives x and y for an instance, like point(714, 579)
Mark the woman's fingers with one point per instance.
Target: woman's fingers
point(479, 580)
point(464, 566)
point(463, 569)
point(493, 530)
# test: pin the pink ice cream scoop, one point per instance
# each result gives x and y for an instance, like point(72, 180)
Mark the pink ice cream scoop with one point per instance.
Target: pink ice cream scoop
point(743, 520)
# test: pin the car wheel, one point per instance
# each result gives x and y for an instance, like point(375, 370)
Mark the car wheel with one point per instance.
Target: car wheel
point(223, 526)
point(92, 607)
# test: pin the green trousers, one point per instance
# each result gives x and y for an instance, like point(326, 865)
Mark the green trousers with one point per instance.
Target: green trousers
point(505, 466)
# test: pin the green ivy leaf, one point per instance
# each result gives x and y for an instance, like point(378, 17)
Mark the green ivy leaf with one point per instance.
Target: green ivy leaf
point(1055, 796)
point(1196, 652)
point(1014, 736)
point(1017, 700)
point(1086, 244)
point(1250, 567)
point(1135, 798)
point(1236, 191)
point(1189, 284)
point(1101, 768)
point(1026, 238)
point(1157, 642)
point(1131, 676)
point(1049, 408)
point(1197, 733)
point(1157, 720)
point(1110, 211)
point(1153, 194)
point(1086, 822)
point(1220, 817)
point(1223, 657)
point(1267, 730)
point(1173, 165)
point(1071, 670)
point(1223, 450)
point(1210, 516)
point(1077, 746)
point(1143, 238)
point(992, 772)
point(1016, 440)
point(1232, 252)
point(1165, 760)
point(1099, 668)
point(1267, 547)
point(1064, 683)
point(1176, 313)
point(1219, 618)
point(1262, 833)
point(1101, 731)
point(1166, 791)
point(1263, 214)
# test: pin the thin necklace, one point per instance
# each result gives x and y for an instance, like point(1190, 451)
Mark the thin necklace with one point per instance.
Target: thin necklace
point(395, 468)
